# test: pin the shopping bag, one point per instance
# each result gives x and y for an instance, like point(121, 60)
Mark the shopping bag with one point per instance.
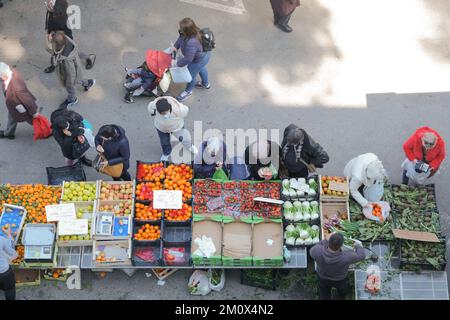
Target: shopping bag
point(385, 209)
point(199, 283)
point(180, 74)
point(42, 128)
point(114, 171)
point(164, 84)
point(417, 178)
point(220, 175)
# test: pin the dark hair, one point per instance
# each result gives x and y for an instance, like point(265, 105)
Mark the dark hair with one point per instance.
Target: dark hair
point(59, 41)
point(60, 9)
point(336, 241)
point(163, 105)
point(189, 29)
point(107, 131)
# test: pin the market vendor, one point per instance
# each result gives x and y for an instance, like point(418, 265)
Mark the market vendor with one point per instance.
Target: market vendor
point(301, 155)
point(333, 264)
point(212, 157)
point(7, 254)
point(367, 175)
point(263, 159)
point(427, 147)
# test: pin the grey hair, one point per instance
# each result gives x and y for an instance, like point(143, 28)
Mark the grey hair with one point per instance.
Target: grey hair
point(295, 136)
point(4, 70)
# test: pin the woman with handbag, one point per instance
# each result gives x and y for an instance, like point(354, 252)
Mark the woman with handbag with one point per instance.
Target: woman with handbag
point(114, 152)
point(68, 131)
point(300, 154)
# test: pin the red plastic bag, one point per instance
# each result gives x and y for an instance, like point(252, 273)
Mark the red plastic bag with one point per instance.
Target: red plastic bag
point(42, 128)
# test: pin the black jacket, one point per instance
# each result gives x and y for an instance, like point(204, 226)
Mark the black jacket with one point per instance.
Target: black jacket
point(312, 152)
point(117, 150)
point(53, 24)
point(76, 127)
point(255, 164)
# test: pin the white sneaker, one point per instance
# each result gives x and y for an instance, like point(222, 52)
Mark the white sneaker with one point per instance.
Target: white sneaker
point(193, 149)
point(165, 158)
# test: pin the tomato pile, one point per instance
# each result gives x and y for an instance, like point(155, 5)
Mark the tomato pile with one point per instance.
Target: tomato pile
point(183, 214)
point(145, 212)
point(150, 172)
point(33, 197)
point(148, 233)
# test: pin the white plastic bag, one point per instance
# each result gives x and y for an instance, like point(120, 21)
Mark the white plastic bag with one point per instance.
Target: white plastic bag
point(199, 283)
point(415, 177)
point(180, 74)
point(164, 84)
point(373, 279)
point(385, 209)
point(221, 284)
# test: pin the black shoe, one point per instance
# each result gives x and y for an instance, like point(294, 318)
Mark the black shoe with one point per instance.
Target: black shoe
point(2, 136)
point(90, 61)
point(128, 98)
point(91, 83)
point(284, 27)
point(49, 69)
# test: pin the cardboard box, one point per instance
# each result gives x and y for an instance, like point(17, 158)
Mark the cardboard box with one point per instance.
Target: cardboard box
point(237, 240)
point(262, 233)
point(328, 209)
point(211, 229)
point(334, 198)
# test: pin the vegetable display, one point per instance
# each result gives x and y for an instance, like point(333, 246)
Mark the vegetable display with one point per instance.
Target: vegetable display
point(301, 234)
point(423, 253)
point(301, 211)
point(333, 223)
point(297, 189)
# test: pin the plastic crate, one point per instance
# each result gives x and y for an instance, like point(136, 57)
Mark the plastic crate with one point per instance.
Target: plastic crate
point(145, 221)
point(177, 233)
point(56, 176)
point(268, 279)
point(187, 253)
point(304, 198)
point(232, 262)
point(157, 251)
point(274, 262)
point(139, 162)
point(148, 242)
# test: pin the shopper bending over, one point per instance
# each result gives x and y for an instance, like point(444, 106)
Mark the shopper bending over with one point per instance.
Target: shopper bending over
point(212, 156)
point(425, 151)
point(263, 160)
point(333, 264)
point(301, 155)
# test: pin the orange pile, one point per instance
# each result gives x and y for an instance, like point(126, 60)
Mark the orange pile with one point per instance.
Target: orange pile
point(179, 215)
point(20, 251)
point(178, 178)
point(148, 232)
point(146, 212)
point(144, 190)
point(150, 172)
point(34, 198)
point(377, 211)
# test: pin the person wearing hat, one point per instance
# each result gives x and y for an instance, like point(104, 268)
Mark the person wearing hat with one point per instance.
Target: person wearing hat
point(212, 156)
point(425, 151)
point(301, 155)
point(367, 175)
point(263, 160)
point(169, 120)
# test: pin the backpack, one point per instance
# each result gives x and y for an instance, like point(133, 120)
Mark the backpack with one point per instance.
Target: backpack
point(208, 39)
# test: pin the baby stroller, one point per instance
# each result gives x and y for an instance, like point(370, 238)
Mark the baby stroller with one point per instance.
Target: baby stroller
point(146, 78)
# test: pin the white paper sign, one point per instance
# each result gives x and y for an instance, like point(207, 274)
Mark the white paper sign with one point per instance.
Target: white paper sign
point(73, 227)
point(59, 212)
point(167, 199)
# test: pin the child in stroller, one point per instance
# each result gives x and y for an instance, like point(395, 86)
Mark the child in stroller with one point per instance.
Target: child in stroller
point(143, 80)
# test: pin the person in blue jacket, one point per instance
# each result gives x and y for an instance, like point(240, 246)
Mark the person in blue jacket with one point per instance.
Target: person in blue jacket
point(212, 156)
point(113, 143)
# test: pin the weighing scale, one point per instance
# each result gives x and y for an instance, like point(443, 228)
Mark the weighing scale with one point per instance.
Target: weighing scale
point(39, 241)
point(104, 224)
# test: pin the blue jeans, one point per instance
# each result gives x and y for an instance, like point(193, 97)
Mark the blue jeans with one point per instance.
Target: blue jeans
point(199, 68)
point(182, 135)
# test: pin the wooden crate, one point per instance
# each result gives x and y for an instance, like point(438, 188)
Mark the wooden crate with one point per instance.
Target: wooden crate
point(332, 198)
point(327, 209)
point(99, 187)
point(162, 274)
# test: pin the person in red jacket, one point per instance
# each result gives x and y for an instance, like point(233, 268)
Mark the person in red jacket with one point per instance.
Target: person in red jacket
point(427, 147)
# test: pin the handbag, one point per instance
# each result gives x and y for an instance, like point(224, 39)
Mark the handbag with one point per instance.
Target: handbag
point(79, 149)
point(114, 171)
point(311, 167)
point(180, 74)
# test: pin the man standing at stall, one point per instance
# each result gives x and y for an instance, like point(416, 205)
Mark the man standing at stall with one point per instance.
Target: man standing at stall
point(7, 278)
point(333, 263)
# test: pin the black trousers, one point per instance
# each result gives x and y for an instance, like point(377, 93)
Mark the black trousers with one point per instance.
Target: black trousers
point(124, 177)
point(325, 287)
point(8, 284)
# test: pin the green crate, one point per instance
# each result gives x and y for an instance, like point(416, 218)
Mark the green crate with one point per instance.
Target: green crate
point(273, 262)
point(259, 220)
point(227, 219)
point(204, 216)
point(232, 262)
point(206, 262)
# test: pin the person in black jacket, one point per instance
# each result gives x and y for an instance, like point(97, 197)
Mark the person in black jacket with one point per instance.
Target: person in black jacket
point(56, 20)
point(113, 143)
point(68, 129)
point(263, 156)
point(300, 153)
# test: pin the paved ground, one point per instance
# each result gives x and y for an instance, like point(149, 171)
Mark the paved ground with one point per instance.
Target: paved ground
point(359, 76)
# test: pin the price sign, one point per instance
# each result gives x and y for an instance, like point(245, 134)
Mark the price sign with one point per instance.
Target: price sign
point(167, 199)
point(60, 212)
point(73, 227)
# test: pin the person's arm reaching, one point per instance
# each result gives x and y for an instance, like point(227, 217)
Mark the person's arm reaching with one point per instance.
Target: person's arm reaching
point(355, 256)
point(355, 184)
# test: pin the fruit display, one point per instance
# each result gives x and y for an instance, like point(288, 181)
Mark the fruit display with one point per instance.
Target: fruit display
point(266, 189)
point(85, 237)
point(301, 234)
point(207, 188)
point(84, 210)
point(145, 212)
point(423, 253)
point(119, 208)
point(183, 214)
point(79, 191)
point(55, 274)
point(112, 252)
point(116, 191)
point(301, 211)
point(325, 185)
point(175, 256)
point(144, 190)
point(178, 177)
point(298, 189)
point(33, 197)
point(377, 211)
point(148, 233)
point(150, 171)
point(20, 253)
